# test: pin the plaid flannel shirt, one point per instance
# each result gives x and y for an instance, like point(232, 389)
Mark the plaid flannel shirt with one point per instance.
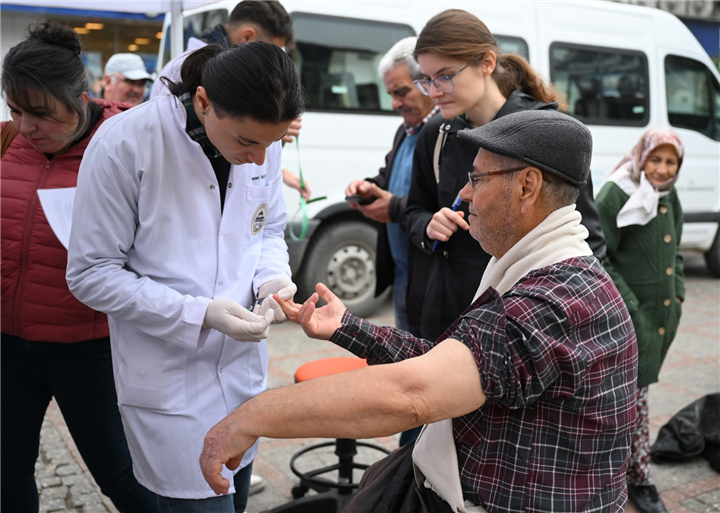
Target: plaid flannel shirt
point(557, 357)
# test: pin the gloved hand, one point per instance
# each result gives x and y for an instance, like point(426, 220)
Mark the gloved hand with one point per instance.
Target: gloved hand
point(284, 288)
point(228, 317)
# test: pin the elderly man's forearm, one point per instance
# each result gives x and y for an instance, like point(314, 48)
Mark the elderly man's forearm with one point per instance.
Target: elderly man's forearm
point(358, 404)
point(374, 401)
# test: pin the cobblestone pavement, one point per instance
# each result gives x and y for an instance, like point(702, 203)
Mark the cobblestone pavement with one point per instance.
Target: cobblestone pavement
point(62, 478)
point(691, 370)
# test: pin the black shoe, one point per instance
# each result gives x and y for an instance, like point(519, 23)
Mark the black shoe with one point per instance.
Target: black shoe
point(646, 499)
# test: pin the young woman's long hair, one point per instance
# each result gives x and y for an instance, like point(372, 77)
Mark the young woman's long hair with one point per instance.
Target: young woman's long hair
point(459, 35)
point(256, 80)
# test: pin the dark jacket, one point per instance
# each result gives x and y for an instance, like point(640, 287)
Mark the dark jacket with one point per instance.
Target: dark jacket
point(459, 263)
point(418, 261)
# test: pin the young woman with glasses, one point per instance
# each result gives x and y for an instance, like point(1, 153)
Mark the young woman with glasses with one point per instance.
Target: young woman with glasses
point(472, 82)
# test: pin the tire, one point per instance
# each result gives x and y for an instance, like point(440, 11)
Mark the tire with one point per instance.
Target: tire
point(342, 256)
point(712, 257)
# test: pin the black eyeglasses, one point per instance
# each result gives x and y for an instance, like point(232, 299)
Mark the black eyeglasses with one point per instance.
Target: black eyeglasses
point(443, 83)
point(474, 177)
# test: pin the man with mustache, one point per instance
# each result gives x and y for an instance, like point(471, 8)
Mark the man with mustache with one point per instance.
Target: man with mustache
point(125, 79)
point(529, 397)
point(396, 257)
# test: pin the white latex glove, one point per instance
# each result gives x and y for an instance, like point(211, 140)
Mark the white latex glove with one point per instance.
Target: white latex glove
point(228, 317)
point(284, 288)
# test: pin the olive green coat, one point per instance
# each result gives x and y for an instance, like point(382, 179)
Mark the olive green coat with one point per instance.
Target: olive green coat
point(646, 265)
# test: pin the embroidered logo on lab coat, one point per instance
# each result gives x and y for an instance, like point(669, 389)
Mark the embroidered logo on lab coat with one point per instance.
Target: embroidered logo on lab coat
point(259, 218)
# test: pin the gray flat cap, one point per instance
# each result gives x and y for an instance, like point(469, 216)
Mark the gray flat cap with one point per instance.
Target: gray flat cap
point(546, 139)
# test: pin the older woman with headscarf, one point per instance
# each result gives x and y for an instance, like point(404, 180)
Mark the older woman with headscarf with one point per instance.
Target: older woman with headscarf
point(642, 219)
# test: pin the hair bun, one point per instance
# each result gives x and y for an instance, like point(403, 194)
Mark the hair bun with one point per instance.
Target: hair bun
point(53, 33)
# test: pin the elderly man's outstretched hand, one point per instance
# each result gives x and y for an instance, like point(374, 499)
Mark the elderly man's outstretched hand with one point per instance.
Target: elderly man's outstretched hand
point(225, 444)
point(316, 322)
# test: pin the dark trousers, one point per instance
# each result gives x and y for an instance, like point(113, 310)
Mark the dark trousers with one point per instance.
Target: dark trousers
point(242, 488)
point(80, 377)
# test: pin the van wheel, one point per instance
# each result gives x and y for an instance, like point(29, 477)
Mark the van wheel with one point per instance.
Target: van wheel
point(342, 256)
point(712, 257)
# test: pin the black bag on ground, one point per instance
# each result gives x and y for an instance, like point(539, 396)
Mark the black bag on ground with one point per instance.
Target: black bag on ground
point(693, 431)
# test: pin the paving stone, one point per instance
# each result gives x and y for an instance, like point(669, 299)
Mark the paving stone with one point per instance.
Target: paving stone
point(698, 506)
point(64, 470)
point(53, 505)
point(83, 487)
point(88, 500)
point(56, 492)
point(710, 498)
point(94, 508)
point(48, 482)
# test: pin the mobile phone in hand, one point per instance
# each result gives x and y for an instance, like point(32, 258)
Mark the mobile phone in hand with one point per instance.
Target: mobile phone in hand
point(360, 200)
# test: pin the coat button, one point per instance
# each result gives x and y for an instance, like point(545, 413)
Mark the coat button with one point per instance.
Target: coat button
point(663, 209)
point(669, 271)
point(666, 302)
point(661, 331)
point(212, 186)
point(667, 239)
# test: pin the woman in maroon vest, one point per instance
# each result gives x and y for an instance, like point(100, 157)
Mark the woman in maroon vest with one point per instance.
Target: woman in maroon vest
point(52, 345)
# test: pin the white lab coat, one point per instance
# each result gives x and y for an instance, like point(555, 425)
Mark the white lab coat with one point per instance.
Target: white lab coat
point(150, 247)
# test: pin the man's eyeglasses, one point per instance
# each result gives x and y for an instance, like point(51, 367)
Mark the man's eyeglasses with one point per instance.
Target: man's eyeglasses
point(473, 178)
point(443, 83)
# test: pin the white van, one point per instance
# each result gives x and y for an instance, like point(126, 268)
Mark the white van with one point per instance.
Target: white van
point(624, 69)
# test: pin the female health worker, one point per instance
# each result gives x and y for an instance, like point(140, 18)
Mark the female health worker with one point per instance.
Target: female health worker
point(178, 226)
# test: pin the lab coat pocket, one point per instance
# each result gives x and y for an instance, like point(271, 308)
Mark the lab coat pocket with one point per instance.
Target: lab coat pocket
point(150, 372)
point(256, 208)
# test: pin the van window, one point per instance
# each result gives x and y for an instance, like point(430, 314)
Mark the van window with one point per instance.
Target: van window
point(511, 44)
point(603, 86)
point(693, 96)
point(193, 26)
point(337, 60)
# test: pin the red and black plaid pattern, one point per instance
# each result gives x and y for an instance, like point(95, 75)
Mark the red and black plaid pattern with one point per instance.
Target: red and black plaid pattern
point(558, 362)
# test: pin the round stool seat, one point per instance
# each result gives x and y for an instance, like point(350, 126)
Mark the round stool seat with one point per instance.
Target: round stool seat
point(328, 366)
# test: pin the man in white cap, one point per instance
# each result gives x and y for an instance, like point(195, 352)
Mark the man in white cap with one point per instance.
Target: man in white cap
point(125, 79)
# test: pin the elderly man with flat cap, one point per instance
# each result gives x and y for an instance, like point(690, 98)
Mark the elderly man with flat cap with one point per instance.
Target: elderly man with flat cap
point(528, 396)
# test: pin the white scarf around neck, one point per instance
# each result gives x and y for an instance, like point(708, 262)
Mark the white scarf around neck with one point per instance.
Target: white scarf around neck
point(558, 237)
point(642, 206)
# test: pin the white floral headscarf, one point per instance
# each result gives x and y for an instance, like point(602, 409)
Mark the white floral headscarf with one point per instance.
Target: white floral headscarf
point(641, 208)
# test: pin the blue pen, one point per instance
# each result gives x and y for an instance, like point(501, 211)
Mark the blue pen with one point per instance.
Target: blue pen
point(454, 207)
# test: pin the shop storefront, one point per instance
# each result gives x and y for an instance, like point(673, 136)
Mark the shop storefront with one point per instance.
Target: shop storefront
point(103, 33)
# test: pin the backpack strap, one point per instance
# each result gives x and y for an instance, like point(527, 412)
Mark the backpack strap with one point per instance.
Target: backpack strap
point(439, 145)
point(9, 132)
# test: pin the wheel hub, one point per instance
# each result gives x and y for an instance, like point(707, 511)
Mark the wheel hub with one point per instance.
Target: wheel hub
point(351, 272)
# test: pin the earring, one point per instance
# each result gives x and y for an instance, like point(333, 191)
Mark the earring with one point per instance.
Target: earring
point(203, 112)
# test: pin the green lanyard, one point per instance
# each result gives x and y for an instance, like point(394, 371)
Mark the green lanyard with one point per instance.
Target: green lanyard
point(303, 203)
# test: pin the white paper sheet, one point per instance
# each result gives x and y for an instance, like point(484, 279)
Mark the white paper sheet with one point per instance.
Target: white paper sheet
point(58, 206)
